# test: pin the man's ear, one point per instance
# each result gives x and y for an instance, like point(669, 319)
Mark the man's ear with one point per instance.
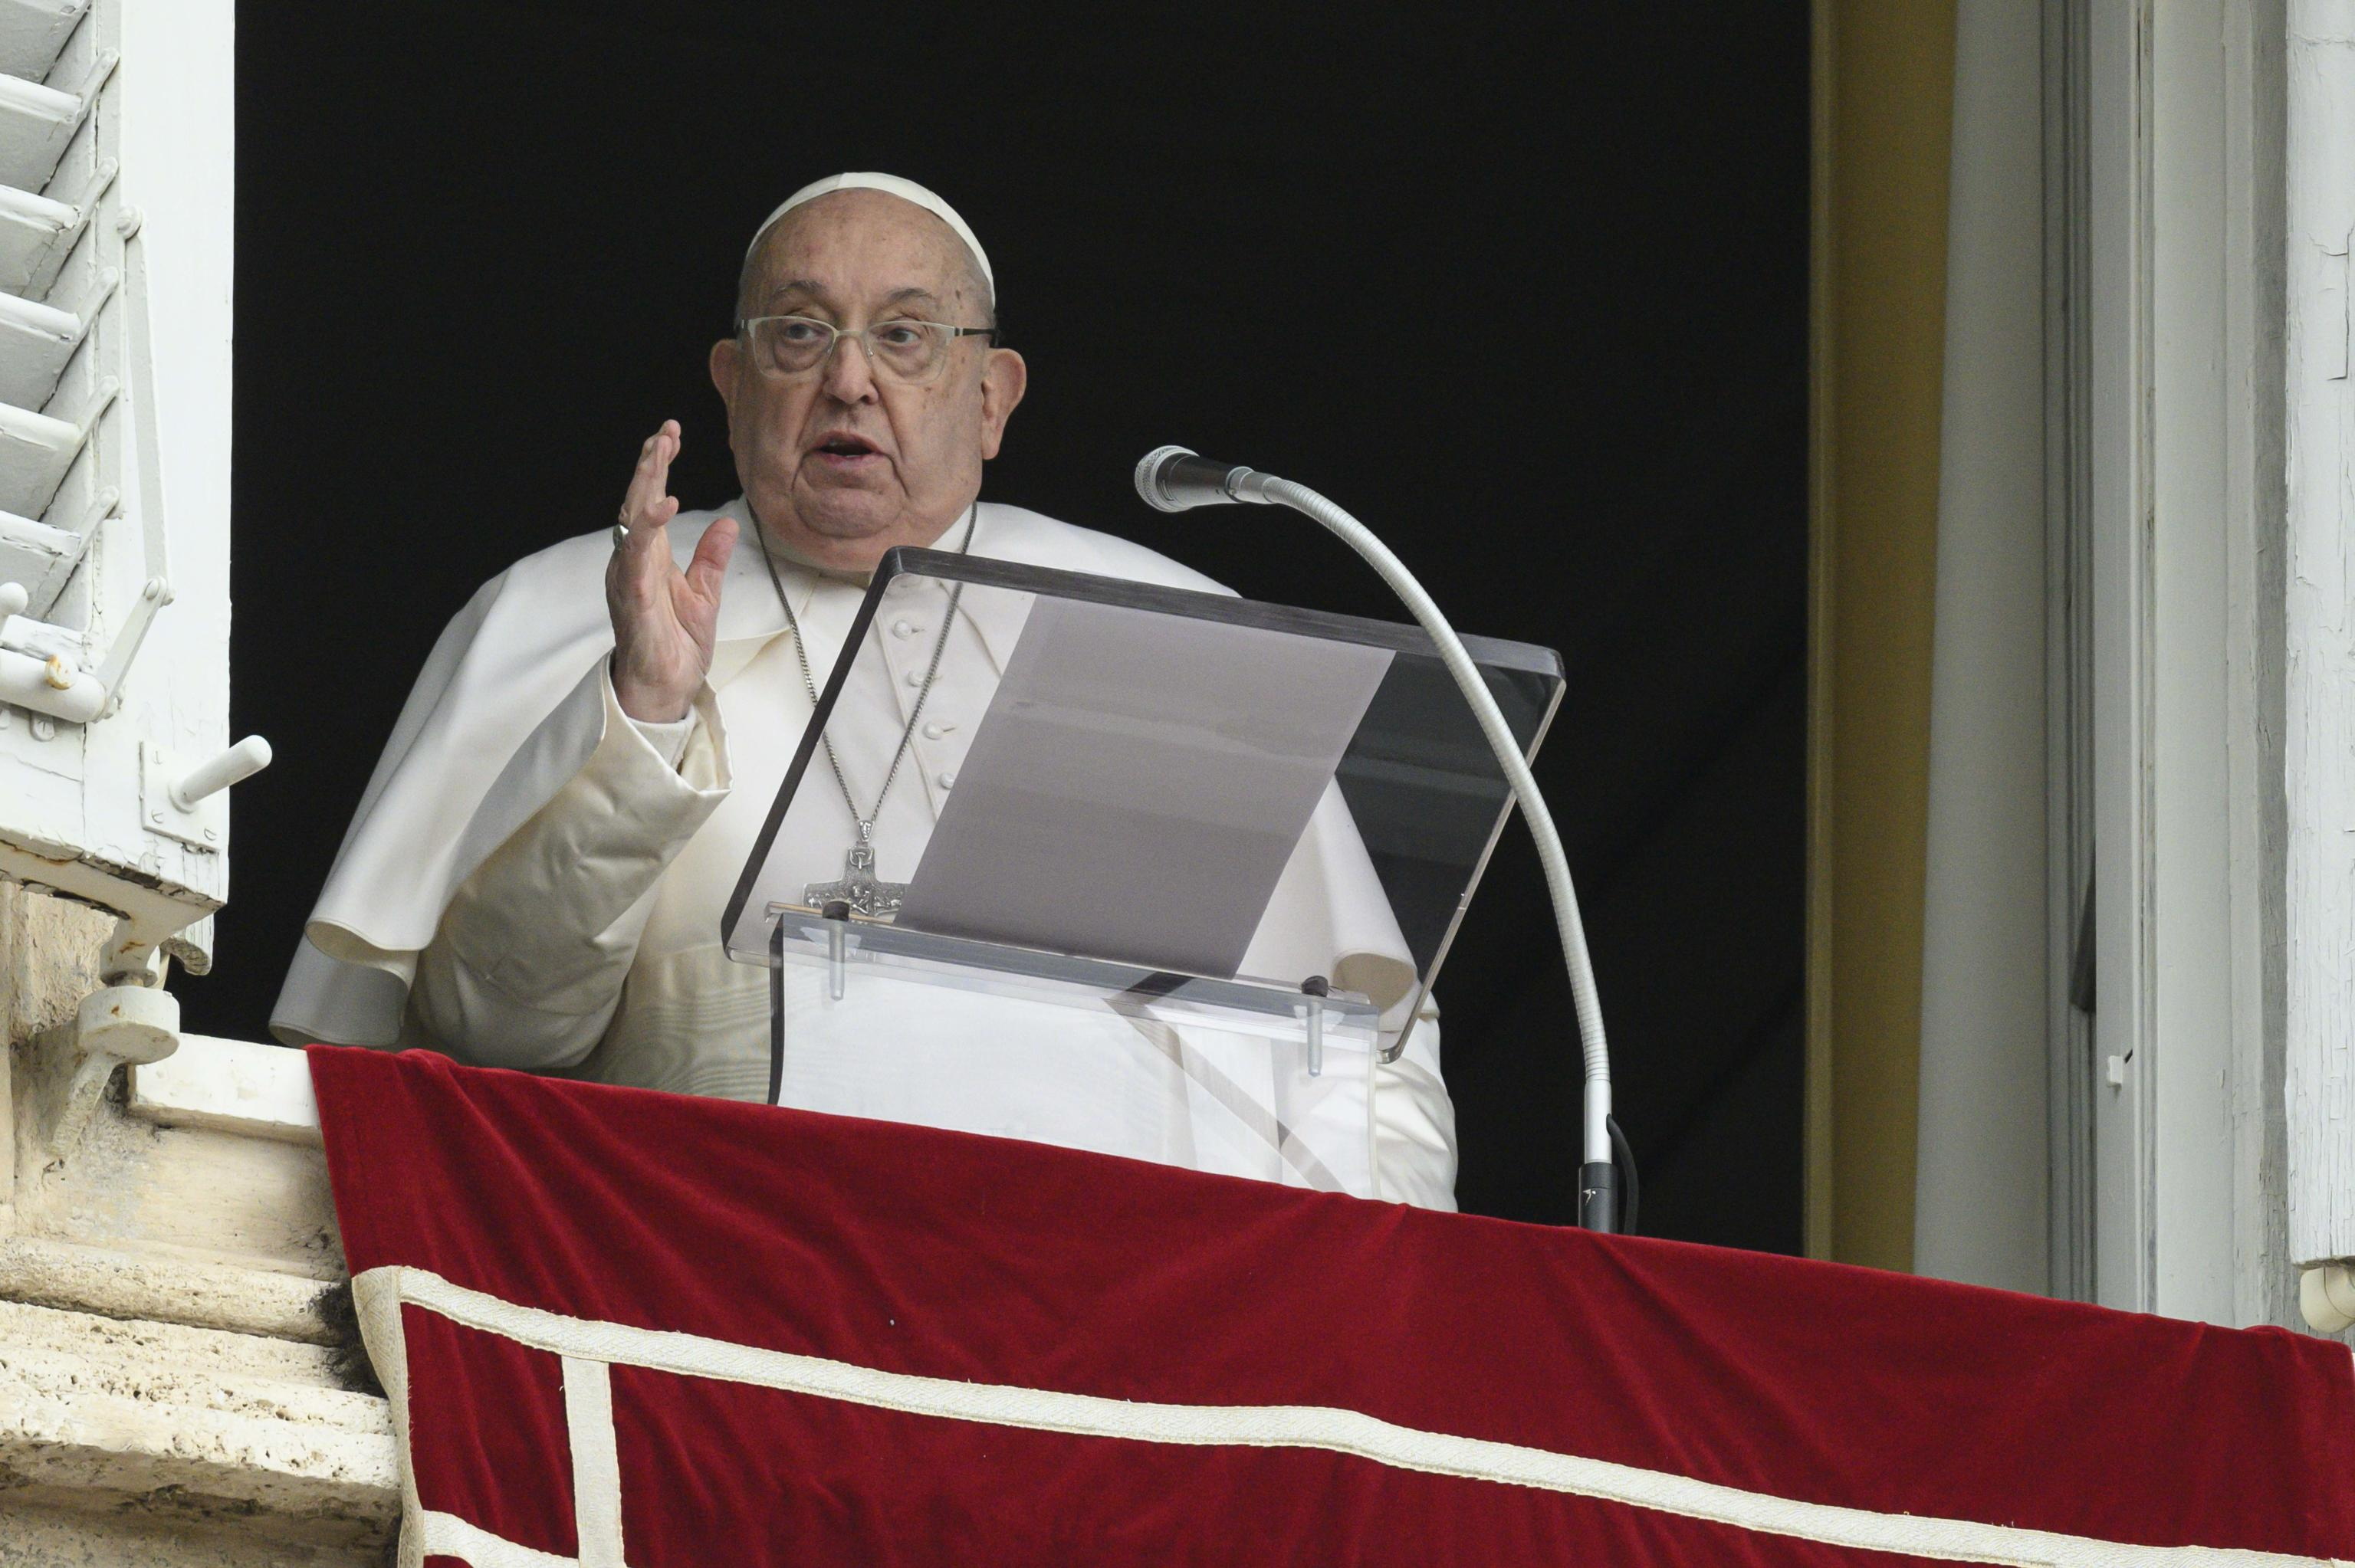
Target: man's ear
point(727, 355)
point(1003, 381)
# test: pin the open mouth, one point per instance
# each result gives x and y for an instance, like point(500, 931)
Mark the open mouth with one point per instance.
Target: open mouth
point(848, 447)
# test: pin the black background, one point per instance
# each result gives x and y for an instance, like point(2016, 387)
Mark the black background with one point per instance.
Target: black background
point(1529, 298)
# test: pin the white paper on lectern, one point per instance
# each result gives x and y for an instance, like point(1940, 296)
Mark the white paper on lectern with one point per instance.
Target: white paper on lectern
point(1138, 784)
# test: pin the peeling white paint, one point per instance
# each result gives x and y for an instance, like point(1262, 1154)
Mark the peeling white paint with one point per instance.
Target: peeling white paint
point(2321, 678)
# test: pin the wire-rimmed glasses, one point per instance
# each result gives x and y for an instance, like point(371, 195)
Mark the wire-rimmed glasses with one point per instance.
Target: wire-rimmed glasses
point(899, 350)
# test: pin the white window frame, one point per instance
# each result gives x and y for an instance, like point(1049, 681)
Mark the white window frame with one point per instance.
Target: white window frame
point(2175, 404)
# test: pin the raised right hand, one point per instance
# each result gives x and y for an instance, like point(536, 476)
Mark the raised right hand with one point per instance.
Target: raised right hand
point(664, 619)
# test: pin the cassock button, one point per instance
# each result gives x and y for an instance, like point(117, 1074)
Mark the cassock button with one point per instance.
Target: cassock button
point(948, 779)
point(915, 677)
point(935, 729)
point(905, 627)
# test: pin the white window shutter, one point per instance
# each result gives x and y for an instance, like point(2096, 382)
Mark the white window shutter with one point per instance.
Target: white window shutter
point(117, 224)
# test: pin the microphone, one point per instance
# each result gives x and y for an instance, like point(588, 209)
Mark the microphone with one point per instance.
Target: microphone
point(1173, 479)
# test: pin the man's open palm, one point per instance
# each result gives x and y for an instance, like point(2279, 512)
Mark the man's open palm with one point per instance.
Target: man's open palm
point(664, 619)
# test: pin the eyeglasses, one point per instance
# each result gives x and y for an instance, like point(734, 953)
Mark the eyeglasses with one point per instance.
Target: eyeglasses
point(904, 351)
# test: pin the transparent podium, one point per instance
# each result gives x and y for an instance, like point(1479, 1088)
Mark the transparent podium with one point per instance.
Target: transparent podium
point(1123, 867)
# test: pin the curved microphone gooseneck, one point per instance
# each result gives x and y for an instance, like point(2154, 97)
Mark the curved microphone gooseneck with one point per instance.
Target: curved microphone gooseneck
point(1173, 479)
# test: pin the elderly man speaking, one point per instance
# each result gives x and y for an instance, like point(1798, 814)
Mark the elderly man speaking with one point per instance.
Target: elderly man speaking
point(536, 875)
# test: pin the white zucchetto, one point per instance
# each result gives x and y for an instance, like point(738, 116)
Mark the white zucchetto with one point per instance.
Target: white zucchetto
point(890, 185)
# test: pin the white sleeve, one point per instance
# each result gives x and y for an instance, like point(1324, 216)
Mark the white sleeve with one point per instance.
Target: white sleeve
point(669, 740)
point(1414, 1123)
point(528, 964)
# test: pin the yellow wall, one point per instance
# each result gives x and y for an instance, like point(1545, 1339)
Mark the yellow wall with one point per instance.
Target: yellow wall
point(1884, 108)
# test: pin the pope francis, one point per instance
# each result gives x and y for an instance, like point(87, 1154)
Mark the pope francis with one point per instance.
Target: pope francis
point(535, 876)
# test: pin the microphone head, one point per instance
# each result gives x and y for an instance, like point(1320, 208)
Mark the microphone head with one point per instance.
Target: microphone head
point(1150, 471)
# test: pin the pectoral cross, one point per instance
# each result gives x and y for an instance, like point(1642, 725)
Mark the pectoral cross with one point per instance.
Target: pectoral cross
point(859, 887)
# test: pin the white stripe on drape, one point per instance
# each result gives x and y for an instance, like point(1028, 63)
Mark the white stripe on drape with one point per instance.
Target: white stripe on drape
point(446, 1535)
point(377, 1303)
point(596, 1464)
point(1293, 1426)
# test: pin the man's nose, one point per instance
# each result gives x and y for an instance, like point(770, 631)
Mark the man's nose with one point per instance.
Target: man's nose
point(849, 378)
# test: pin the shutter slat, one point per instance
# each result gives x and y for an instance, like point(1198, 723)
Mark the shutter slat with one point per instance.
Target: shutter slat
point(36, 341)
point(31, 555)
point(36, 449)
point(33, 33)
point(38, 231)
point(37, 122)
point(42, 558)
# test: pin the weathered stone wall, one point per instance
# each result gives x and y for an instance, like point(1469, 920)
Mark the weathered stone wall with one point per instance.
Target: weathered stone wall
point(48, 959)
point(175, 1389)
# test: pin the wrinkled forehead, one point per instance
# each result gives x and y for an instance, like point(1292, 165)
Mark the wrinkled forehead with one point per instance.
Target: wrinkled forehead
point(862, 247)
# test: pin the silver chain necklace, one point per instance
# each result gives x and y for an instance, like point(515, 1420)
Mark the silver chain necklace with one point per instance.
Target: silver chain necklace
point(859, 887)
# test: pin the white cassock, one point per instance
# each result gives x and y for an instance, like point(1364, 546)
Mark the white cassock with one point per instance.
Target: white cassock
point(535, 880)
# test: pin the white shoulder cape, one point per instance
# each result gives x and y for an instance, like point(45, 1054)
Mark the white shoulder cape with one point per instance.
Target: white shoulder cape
point(506, 710)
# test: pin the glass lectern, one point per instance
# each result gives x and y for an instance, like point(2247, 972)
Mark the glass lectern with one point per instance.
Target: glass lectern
point(1120, 866)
